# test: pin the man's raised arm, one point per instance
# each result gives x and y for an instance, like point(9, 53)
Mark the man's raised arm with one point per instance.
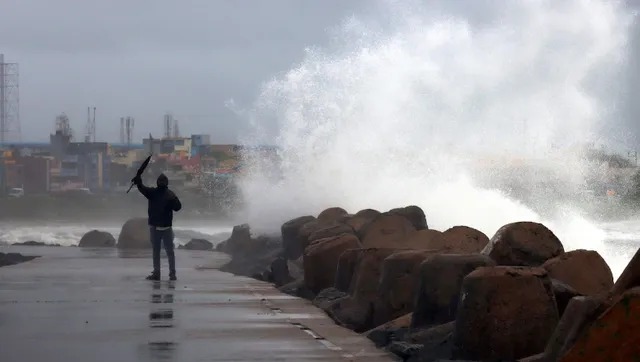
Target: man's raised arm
point(176, 204)
point(144, 190)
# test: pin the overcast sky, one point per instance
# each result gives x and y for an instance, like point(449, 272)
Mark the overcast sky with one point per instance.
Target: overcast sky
point(143, 58)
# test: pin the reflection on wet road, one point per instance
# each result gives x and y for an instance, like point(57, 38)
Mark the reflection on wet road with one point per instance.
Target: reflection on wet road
point(161, 316)
point(76, 304)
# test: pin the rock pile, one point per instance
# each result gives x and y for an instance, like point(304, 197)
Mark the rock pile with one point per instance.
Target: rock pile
point(135, 234)
point(34, 243)
point(197, 244)
point(259, 257)
point(428, 295)
point(97, 239)
point(7, 259)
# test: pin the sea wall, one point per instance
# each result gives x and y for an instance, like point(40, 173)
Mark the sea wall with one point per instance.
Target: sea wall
point(429, 294)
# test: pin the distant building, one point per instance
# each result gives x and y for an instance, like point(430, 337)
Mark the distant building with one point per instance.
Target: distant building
point(168, 146)
point(36, 173)
point(228, 149)
point(96, 171)
point(80, 148)
point(3, 186)
point(152, 145)
point(83, 164)
point(200, 139)
point(120, 175)
point(66, 172)
point(12, 174)
point(58, 143)
point(129, 157)
point(199, 144)
point(182, 148)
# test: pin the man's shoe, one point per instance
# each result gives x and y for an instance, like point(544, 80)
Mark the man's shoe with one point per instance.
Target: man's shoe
point(153, 276)
point(172, 277)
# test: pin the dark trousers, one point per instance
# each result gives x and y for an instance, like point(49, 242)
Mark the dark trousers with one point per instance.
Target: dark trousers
point(159, 238)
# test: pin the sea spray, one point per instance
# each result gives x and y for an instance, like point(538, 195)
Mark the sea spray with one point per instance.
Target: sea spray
point(424, 106)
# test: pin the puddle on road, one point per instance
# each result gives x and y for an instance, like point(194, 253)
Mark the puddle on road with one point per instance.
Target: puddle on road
point(162, 318)
point(280, 315)
point(158, 351)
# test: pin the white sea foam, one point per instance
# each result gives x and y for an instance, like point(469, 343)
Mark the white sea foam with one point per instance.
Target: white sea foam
point(412, 105)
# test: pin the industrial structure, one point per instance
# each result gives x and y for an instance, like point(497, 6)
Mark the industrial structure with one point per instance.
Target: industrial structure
point(9, 102)
point(126, 130)
point(171, 128)
point(176, 129)
point(91, 126)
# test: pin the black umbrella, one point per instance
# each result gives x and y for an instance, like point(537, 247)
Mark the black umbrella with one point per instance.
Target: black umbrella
point(141, 170)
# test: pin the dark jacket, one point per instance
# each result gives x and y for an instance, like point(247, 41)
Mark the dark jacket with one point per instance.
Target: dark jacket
point(162, 203)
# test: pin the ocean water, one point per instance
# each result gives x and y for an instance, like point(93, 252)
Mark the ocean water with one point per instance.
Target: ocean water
point(620, 241)
point(70, 234)
point(616, 241)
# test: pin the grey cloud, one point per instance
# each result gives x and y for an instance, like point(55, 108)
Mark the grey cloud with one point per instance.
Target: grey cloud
point(142, 58)
point(118, 24)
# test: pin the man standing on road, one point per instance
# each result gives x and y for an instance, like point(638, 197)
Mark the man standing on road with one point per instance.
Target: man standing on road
point(162, 203)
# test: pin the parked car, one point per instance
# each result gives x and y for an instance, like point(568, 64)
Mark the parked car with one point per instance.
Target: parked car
point(16, 192)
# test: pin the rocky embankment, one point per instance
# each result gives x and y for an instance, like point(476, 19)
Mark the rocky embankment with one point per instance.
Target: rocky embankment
point(7, 259)
point(429, 295)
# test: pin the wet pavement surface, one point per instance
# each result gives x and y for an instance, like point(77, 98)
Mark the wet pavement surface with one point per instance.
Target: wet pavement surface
point(77, 304)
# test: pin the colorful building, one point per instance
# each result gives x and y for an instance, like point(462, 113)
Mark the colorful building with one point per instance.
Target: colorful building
point(166, 146)
point(77, 171)
point(96, 171)
point(12, 174)
point(128, 157)
point(199, 144)
point(36, 174)
point(3, 189)
point(182, 147)
point(63, 165)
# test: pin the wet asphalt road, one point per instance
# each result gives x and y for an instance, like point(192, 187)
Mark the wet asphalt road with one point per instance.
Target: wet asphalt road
point(94, 305)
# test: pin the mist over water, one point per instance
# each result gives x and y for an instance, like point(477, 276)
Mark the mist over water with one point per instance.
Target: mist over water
point(421, 108)
point(66, 234)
